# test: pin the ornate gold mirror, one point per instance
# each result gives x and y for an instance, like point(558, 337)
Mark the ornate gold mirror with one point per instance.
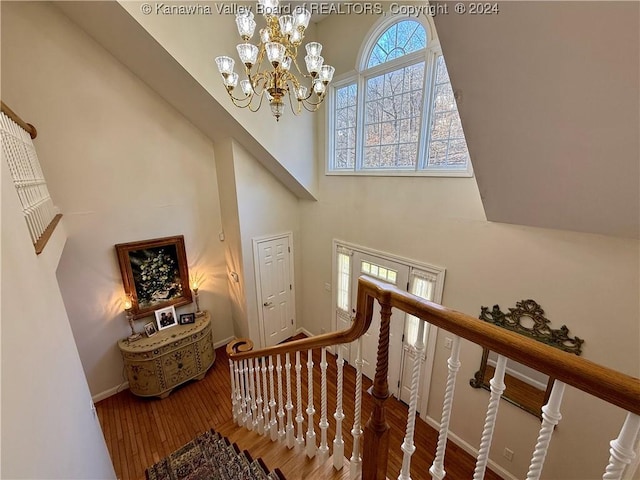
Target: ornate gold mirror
point(526, 387)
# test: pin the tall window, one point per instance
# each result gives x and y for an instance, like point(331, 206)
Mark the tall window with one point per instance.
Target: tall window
point(398, 114)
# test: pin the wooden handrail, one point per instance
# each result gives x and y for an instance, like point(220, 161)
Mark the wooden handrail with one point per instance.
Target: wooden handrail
point(237, 349)
point(602, 382)
point(30, 129)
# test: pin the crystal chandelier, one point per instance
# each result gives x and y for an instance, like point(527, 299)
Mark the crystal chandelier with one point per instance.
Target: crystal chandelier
point(279, 42)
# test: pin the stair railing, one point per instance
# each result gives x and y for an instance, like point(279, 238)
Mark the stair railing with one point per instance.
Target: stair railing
point(609, 385)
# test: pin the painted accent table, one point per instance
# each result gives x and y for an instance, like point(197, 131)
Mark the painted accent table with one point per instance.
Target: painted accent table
point(155, 365)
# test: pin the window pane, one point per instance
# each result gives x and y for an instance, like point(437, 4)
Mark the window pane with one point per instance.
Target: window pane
point(400, 39)
point(344, 279)
point(393, 111)
point(344, 138)
point(447, 145)
point(423, 288)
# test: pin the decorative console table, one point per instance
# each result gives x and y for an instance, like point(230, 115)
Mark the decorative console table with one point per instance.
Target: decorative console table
point(156, 365)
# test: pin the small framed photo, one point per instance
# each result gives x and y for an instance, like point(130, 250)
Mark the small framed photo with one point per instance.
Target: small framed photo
point(166, 317)
point(150, 329)
point(187, 318)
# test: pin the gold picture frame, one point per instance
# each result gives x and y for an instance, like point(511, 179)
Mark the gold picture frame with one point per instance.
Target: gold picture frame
point(155, 274)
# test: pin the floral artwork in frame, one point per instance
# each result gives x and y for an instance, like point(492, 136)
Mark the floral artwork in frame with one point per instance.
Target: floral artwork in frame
point(155, 274)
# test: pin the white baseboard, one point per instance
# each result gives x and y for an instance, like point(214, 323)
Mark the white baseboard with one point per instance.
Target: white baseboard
point(305, 331)
point(222, 343)
point(123, 386)
point(471, 450)
point(111, 391)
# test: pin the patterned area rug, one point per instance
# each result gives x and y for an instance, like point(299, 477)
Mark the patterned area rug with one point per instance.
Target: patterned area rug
point(210, 457)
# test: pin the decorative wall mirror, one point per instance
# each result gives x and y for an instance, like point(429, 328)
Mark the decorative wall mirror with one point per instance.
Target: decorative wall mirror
point(526, 387)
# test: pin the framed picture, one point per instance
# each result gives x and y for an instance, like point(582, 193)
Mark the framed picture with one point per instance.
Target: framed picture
point(166, 317)
point(151, 329)
point(186, 318)
point(154, 274)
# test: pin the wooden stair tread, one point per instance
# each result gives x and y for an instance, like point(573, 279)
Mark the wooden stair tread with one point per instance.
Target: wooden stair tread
point(293, 463)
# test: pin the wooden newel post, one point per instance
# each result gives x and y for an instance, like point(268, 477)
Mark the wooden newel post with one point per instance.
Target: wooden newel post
point(376, 431)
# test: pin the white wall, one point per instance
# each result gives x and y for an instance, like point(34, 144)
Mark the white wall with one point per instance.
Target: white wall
point(48, 427)
point(122, 165)
point(588, 282)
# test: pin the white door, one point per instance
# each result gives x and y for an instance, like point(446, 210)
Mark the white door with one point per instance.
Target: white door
point(396, 274)
point(275, 289)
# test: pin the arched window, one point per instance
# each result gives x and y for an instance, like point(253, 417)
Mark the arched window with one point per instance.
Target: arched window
point(398, 114)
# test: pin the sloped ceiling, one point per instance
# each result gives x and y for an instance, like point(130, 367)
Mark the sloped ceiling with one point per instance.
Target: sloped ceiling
point(549, 100)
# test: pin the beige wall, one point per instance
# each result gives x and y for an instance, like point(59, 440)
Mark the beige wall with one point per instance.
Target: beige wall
point(254, 204)
point(48, 427)
point(194, 41)
point(588, 282)
point(122, 165)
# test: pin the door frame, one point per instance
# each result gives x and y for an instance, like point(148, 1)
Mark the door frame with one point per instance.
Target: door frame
point(256, 274)
point(430, 347)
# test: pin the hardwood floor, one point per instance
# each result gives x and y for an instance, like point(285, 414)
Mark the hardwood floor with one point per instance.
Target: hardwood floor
point(140, 431)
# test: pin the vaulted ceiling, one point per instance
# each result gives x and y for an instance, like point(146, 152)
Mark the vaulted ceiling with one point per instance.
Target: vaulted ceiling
point(548, 92)
point(549, 100)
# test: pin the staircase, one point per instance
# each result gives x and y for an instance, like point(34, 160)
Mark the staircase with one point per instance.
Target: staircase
point(265, 383)
point(210, 456)
point(293, 463)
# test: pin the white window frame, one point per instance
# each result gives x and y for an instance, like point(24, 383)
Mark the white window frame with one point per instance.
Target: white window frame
point(360, 76)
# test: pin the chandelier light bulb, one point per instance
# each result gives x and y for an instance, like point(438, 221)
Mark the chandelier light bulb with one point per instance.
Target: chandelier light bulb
point(269, 7)
point(326, 73)
point(225, 64)
point(314, 49)
point(314, 63)
point(301, 92)
point(275, 52)
point(318, 87)
point(296, 36)
point(265, 37)
point(246, 24)
point(286, 24)
point(301, 16)
point(286, 63)
point(245, 85)
point(231, 80)
point(248, 54)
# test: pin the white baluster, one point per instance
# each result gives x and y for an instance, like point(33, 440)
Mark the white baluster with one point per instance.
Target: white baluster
point(252, 390)
point(324, 422)
point(407, 445)
point(265, 395)
point(311, 434)
point(621, 451)
point(550, 418)
point(437, 468)
point(497, 388)
point(239, 395)
point(289, 431)
point(355, 468)
point(299, 416)
point(246, 401)
point(273, 423)
point(259, 414)
point(280, 409)
point(338, 442)
point(234, 403)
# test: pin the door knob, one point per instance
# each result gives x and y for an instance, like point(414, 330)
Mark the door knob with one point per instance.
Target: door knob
point(267, 304)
